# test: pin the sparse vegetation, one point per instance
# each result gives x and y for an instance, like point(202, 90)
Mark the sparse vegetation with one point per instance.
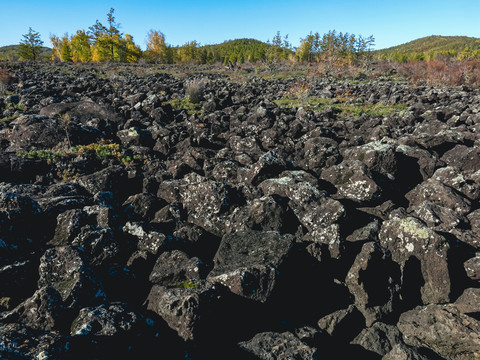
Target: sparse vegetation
point(102, 150)
point(185, 104)
point(195, 90)
point(343, 105)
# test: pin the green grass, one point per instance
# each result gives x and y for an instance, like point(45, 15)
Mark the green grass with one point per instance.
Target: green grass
point(8, 119)
point(187, 285)
point(186, 104)
point(346, 108)
point(101, 150)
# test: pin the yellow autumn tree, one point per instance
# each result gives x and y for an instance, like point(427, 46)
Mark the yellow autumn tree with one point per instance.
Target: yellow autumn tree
point(157, 49)
point(133, 51)
point(61, 48)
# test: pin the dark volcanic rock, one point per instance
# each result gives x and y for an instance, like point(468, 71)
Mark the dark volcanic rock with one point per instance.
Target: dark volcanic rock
point(244, 220)
point(186, 309)
point(281, 346)
point(64, 269)
point(43, 311)
point(353, 181)
point(422, 256)
point(248, 262)
point(379, 338)
point(443, 329)
point(313, 208)
point(374, 280)
point(108, 320)
point(19, 342)
point(174, 268)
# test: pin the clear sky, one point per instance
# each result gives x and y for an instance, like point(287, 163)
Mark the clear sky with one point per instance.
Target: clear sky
point(210, 22)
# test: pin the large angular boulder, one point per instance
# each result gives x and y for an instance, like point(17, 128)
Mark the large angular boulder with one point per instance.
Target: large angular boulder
point(374, 281)
point(187, 309)
point(110, 319)
point(176, 268)
point(443, 329)
point(268, 213)
point(43, 311)
point(19, 342)
point(207, 204)
point(268, 165)
point(422, 256)
point(280, 346)
point(353, 181)
point(248, 262)
point(314, 209)
point(379, 157)
point(65, 269)
point(439, 194)
point(380, 338)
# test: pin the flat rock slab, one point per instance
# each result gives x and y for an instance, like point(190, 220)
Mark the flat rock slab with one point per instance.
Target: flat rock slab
point(247, 262)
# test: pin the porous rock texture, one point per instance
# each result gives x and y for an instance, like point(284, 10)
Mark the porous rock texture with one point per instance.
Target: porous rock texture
point(243, 230)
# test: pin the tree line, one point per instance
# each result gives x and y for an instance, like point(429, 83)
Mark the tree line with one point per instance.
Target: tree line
point(105, 43)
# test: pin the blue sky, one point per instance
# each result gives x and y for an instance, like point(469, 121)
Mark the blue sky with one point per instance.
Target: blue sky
point(209, 22)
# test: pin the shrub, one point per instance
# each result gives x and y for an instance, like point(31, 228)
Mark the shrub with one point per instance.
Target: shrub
point(195, 90)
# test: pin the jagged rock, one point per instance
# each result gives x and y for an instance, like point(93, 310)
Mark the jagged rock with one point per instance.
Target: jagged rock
point(268, 213)
point(426, 162)
point(366, 233)
point(64, 269)
point(313, 208)
point(268, 165)
point(149, 239)
point(175, 267)
point(443, 329)
point(43, 311)
point(226, 171)
point(135, 137)
point(101, 245)
point(465, 183)
point(110, 319)
point(83, 111)
point(248, 262)
point(464, 157)
point(142, 206)
point(380, 338)
point(281, 346)
point(472, 267)
point(379, 157)
point(437, 217)
point(35, 131)
point(404, 352)
point(374, 280)
point(353, 181)
point(342, 323)
point(318, 152)
point(19, 215)
point(420, 252)
point(185, 309)
point(469, 301)
point(113, 178)
point(19, 342)
point(69, 224)
point(207, 203)
point(439, 194)
point(434, 134)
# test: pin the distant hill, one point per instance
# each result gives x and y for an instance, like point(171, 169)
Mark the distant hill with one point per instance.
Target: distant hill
point(430, 46)
point(10, 52)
